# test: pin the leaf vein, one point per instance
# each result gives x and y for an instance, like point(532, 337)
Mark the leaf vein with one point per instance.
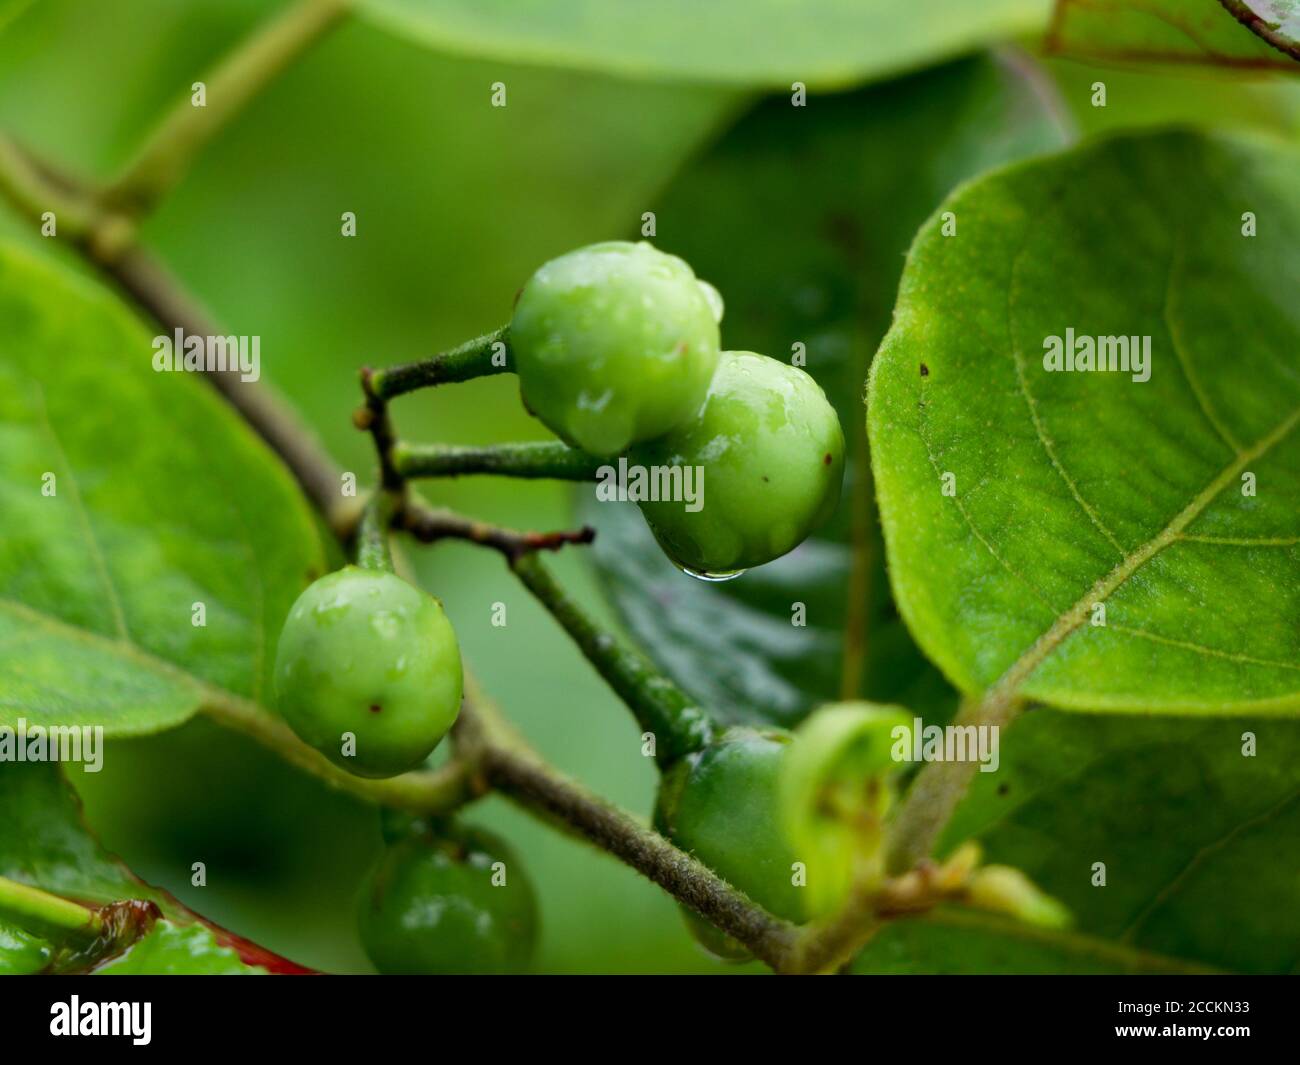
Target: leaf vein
point(1105, 586)
point(1048, 446)
point(83, 517)
point(1241, 541)
point(1204, 649)
point(1180, 354)
point(970, 524)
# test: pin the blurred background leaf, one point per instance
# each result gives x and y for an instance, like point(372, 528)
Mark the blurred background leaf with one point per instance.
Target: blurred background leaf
point(824, 44)
point(1196, 829)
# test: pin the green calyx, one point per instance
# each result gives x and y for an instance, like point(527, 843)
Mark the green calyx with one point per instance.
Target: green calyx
point(453, 900)
point(614, 343)
point(368, 671)
point(835, 792)
point(771, 453)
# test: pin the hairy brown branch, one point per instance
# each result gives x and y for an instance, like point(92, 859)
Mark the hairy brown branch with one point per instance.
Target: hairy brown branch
point(510, 767)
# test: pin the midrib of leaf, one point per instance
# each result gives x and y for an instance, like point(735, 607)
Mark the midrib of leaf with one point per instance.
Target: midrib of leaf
point(1004, 690)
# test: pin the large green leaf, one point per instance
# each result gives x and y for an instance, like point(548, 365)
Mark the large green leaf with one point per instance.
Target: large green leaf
point(810, 254)
point(822, 43)
point(1074, 489)
point(1195, 821)
point(128, 497)
point(44, 843)
point(1175, 31)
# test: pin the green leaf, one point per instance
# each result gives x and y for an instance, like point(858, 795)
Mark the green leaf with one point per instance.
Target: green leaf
point(129, 497)
point(772, 43)
point(21, 952)
point(1196, 833)
point(810, 254)
point(178, 950)
point(1173, 31)
point(1080, 490)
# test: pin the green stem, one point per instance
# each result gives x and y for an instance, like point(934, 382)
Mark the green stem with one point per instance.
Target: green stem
point(28, 904)
point(659, 706)
point(474, 358)
point(373, 552)
point(232, 84)
point(547, 460)
point(32, 193)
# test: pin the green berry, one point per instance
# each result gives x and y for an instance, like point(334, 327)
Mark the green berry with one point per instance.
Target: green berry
point(614, 343)
point(724, 805)
point(431, 906)
point(772, 455)
point(366, 653)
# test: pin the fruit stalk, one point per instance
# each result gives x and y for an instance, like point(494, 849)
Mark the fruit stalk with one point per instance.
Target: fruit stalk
point(544, 460)
point(372, 538)
point(474, 358)
point(678, 725)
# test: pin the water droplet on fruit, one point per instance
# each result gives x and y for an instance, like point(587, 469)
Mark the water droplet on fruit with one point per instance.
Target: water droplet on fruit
point(386, 624)
point(710, 578)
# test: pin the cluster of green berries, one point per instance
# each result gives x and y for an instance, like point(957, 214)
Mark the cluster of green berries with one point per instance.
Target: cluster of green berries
point(618, 352)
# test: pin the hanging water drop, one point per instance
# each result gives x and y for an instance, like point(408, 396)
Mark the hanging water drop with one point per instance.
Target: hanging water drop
point(709, 578)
